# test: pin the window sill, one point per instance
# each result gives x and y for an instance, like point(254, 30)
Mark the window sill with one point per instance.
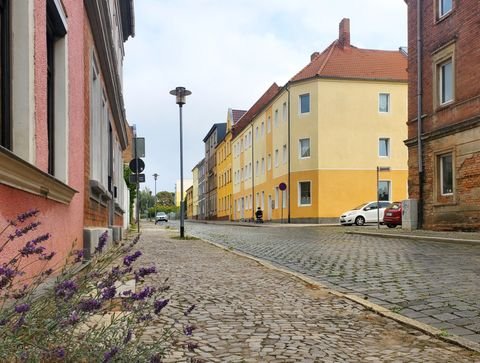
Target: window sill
point(98, 191)
point(18, 174)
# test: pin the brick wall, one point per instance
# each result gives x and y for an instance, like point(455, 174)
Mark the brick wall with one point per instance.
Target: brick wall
point(454, 127)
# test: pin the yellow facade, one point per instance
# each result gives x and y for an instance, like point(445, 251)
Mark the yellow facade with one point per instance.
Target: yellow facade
point(224, 174)
point(346, 134)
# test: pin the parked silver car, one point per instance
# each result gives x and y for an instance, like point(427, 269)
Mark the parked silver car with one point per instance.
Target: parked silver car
point(161, 217)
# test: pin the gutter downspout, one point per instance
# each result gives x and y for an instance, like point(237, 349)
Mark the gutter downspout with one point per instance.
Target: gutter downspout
point(253, 179)
point(419, 113)
point(289, 185)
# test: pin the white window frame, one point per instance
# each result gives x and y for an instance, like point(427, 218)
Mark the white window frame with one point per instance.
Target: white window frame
point(388, 147)
point(284, 111)
point(269, 124)
point(389, 189)
point(441, 13)
point(276, 158)
point(284, 154)
point(269, 161)
point(441, 57)
point(276, 117)
point(440, 159)
point(300, 104)
point(441, 72)
point(380, 95)
point(300, 156)
point(277, 196)
point(300, 204)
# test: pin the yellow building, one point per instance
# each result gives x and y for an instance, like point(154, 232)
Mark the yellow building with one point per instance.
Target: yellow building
point(224, 168)
point(323, 135)
point(189, 202)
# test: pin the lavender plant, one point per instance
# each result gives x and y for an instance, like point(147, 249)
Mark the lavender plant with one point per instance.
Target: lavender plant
point(83, 313)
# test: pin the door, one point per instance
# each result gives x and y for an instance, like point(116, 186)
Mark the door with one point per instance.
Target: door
point(269, 206)
point(370, 212)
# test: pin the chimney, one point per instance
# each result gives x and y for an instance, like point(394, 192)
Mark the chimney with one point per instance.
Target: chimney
point(313, 56)
point(344, 33)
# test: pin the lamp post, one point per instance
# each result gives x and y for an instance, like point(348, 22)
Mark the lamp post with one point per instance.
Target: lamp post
point(379, 169)
point(181, 93)
point(155, 176)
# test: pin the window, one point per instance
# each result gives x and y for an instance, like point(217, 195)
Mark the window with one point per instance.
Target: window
point(276, 157)
point(256, 168)
point(263, 128)
point(304, 193)
point(284, 199)
point(444, 78)
point(304, 148)
point(277, 196)
point(269, 161)
point(56, 90)
point(446, 174)
point(445, 81)
point(383, 190)
point(269, 124)
point(305, 103)
point(276, 118)
point(263, 166)
point(284, 154)
point(384, 147)
point(384, 102)
point(5, 127)
point(256, 132)
point(444, 7)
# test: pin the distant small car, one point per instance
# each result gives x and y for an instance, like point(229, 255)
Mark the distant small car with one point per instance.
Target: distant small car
point(364, 213)
point(161, 217)
point(392, 216)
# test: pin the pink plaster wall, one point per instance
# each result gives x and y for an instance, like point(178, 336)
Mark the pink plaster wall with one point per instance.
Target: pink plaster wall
point(64, 222)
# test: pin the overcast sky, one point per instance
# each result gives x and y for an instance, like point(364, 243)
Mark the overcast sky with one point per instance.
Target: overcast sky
point(228, 53)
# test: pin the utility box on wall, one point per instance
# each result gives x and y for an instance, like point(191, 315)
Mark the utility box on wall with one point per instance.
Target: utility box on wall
point(409, 214)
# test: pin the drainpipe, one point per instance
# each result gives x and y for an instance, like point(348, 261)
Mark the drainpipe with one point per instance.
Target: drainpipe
point(419, 113)
point(253, 179)
point(289, 188)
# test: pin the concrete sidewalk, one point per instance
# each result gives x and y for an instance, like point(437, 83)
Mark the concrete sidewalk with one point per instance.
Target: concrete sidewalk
point(246, 312)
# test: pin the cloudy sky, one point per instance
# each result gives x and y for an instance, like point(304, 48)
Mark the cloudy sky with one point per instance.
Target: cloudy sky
point(228, 53)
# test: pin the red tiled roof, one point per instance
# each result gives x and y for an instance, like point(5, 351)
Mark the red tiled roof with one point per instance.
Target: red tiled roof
point(338, 61)
point(237, 115)
point(255, 109)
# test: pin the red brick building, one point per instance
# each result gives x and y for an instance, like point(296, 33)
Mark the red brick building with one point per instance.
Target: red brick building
point(444, 93)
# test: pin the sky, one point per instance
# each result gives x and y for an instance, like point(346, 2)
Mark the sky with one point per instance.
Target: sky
point(227, 53)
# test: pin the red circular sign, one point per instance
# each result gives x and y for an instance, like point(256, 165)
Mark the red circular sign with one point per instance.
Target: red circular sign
point(282, 186)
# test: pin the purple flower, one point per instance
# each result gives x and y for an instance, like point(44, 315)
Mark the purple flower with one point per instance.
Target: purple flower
point(90, 305)
point(28, 214)
point(20, 293)
point(129, 259)
point(46, 257)
point(157, 358)
point(6, 275)
point(188, 329)
point(66, 289)
point(142, 272)
point(192, 346)
point(78, 256)
point(22, 308)
point(41, 238)
point(20, 232)
point(159, 305)
point(110, 354)
point(102, 241)
point(127, 293)
point(189, 310)
point(142, 295)
point(58, 352)
point(31, 249)
point(109, 293)
point(73, 318)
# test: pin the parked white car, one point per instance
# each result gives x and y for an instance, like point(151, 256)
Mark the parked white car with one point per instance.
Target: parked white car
point(364, 213)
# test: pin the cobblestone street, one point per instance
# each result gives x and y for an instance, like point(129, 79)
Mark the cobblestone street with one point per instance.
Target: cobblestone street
point(433, 282)
point(246, 312)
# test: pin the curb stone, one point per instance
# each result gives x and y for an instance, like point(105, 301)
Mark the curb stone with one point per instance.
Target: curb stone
point(380, 310)
point(415, 237)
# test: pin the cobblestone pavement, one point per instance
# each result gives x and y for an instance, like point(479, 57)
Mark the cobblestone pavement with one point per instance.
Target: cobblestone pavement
point(246, 312)
point(436, 283)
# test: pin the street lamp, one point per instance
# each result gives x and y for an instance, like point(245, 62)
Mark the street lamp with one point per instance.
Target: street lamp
point(181, 93)
point(155, 176)
point(379, 169)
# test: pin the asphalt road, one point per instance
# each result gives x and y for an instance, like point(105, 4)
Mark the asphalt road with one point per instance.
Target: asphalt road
point(436, 283)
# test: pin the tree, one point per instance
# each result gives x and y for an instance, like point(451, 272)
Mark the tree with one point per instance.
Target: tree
point(166, 199)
